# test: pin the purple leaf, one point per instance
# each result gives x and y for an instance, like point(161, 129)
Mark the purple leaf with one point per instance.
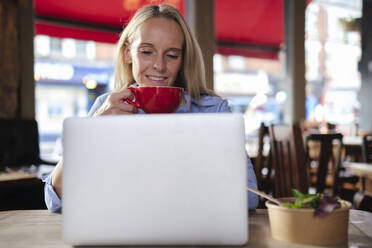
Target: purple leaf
point(326, 205)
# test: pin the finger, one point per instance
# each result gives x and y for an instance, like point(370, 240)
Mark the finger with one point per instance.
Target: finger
point(121, 108)
point(121, 95)
point(127, 108)
point(118, 111)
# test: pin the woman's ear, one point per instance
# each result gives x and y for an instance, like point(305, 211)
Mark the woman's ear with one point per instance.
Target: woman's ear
point(127, 55)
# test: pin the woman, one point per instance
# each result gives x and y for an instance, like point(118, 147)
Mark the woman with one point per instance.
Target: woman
point(156, 48)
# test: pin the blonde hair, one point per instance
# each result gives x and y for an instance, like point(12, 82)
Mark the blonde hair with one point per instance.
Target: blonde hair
point(191, 76)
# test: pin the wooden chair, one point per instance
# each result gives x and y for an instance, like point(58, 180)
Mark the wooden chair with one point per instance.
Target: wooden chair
point(19, 144)
point(366, 155)
point(325, 157)
point(289, 159)
point(330, 172)
point(20, 188)
point(367, 149)
point(263, 162)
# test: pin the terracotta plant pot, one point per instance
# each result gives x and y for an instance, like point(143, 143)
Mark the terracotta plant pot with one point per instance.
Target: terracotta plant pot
point(301, 226)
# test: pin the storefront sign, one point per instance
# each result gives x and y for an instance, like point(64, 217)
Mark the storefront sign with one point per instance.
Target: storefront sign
point(65, 73)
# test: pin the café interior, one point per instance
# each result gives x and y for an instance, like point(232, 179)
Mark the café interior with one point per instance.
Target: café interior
point(302, 147)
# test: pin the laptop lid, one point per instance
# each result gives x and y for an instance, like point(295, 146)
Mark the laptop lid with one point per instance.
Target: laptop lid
point(155, 180)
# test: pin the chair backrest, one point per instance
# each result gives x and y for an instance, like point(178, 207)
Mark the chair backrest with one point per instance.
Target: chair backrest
point(327, 143)
point(289, 160)
point(367, 149)
point(19, 143)
point(262, 161)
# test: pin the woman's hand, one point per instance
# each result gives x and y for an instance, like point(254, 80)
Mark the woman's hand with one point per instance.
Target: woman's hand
point(114, 104)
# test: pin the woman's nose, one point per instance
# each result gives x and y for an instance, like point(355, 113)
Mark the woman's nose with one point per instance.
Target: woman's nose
point(159, 63)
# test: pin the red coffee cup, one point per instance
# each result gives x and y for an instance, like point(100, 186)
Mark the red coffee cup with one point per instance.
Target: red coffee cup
point(158, 100)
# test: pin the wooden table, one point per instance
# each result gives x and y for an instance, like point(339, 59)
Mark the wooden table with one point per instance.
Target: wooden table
point(21, 190)
point(17, 177)
point(24, 176)
point(352, 140)
point(39, 228)
point(363, 170)
point(360, 169)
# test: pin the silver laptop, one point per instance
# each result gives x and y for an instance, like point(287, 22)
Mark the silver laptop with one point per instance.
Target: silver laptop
point(172, 179)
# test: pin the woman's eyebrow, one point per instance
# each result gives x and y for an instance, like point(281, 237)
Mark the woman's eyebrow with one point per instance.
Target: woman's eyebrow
point(175, 49)
point(146, 44)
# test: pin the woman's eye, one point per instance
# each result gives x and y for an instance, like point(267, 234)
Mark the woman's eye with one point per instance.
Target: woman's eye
point(172, 56)
point(146, 52)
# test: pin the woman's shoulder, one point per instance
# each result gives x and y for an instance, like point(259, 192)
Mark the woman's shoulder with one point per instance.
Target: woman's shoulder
point(208, 100)
point(212, 104)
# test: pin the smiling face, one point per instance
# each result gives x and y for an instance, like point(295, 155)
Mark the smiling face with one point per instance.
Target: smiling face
point(156, 52)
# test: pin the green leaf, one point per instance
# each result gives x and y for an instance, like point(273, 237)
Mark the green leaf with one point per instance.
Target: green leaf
point(305, 200)
point(322, 204)
point(296, 193)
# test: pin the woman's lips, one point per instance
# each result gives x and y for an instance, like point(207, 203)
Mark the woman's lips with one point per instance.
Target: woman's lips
point(157, 80)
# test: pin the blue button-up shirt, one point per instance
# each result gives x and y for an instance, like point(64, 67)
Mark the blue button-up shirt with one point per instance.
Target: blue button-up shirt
point(206, 104)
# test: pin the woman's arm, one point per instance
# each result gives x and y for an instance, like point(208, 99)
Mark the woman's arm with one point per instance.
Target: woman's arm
point(251, 181)
point(57, 178)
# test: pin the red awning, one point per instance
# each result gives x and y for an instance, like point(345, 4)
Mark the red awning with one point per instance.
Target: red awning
point(61, 31)
point(250, 28)
point(252, 22)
